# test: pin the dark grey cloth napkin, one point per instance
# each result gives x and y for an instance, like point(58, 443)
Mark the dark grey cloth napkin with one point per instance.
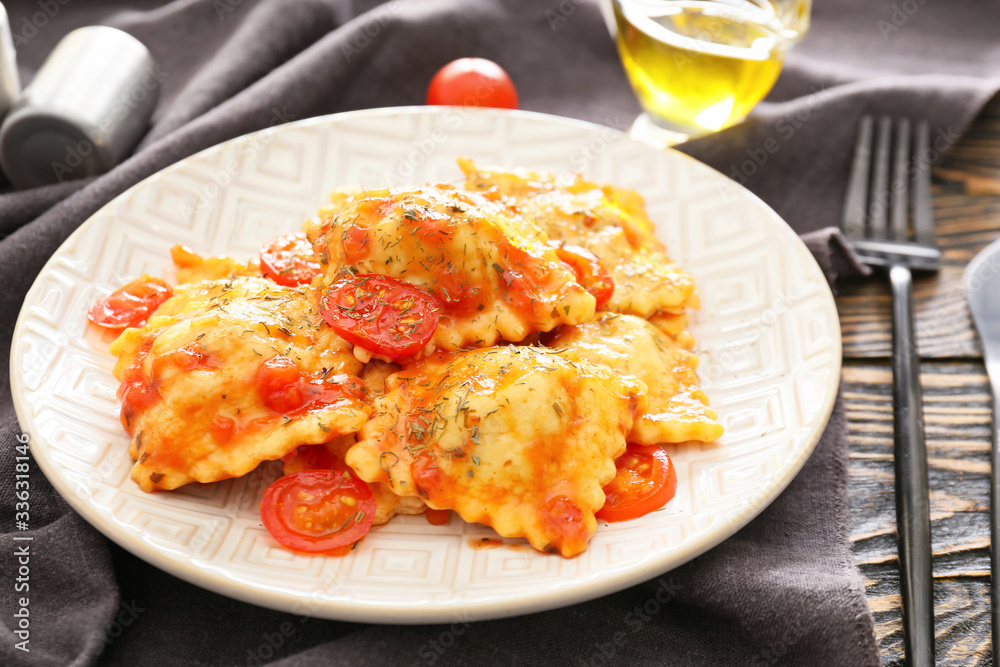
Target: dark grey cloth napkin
point(784, 590)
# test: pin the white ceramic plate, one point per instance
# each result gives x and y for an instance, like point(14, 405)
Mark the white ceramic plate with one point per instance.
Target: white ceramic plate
point(768, 335)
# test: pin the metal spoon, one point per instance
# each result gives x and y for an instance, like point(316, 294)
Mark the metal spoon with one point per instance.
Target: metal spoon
point(982, 286)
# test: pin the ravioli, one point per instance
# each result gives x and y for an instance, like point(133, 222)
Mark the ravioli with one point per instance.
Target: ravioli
point(518, 438)
point(191, 382)
point(678, 410)
point(192, 267)
point(492, 270)
point(234, 369)
point(610, 222)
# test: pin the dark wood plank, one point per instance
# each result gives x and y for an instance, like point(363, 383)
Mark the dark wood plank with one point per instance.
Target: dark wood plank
point(957, 417)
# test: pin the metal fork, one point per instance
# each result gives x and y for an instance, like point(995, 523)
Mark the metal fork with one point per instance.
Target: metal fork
point(877, 219)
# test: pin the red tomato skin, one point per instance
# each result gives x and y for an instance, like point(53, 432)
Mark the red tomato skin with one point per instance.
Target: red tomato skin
point(285, 389)
point(472, 82)
point(360, 309)
point(131, 305)
point(278, 381)
point(277, 510)
point(664, 476)
point(289, 260)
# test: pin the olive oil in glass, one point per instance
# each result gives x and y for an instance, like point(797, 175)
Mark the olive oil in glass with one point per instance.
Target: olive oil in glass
point(698, 66)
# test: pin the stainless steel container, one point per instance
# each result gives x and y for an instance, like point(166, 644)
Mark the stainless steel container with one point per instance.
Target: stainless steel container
point(10, 81)
point(86, 108)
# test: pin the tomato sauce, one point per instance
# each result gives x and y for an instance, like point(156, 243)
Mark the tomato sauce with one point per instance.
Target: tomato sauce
point(437, 517)
point(284, 389)
point(565, 524)
point(137, 390)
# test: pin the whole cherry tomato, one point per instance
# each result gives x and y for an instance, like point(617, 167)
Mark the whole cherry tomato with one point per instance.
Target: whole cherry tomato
point(472, 82)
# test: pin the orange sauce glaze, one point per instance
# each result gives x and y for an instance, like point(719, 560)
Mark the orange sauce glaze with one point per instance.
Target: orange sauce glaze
point(299, 393)
point(437, 517)
point(137, 391)
point(416, 237)
point(414, 436)
point(480, 543)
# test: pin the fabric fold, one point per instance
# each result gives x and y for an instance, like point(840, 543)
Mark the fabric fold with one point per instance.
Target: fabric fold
point(783, 590)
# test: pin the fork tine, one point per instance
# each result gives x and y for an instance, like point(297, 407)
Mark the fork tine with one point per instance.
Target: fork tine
point(879, 196)
point(923, 211)
point(857, 187)
point(900, 221)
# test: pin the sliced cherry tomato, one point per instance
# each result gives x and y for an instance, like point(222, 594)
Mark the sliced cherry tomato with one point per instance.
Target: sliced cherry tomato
point(381, 314)
point(590, 273)
point(646, 481)
point(130, 306)
point(472, 82)
point(290, 260)
point(318, 510)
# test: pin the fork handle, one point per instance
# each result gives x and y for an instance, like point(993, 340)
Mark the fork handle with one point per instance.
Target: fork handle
point(913, 521)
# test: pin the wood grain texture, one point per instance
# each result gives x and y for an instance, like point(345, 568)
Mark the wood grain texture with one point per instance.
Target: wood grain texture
point(957, 422)
point(957, 414)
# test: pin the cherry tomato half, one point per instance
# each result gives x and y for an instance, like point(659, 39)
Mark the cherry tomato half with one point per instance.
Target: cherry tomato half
point(130, 306)
point(646, 481)
point(289, 260)
point(318, 510)
point(472, 82)
point(590, 273)
point(382, 314)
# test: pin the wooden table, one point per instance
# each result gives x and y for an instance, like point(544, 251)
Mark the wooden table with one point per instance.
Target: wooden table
point(956, 413)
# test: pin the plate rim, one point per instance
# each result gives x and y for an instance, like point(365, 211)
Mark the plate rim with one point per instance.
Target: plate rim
point(215, 579)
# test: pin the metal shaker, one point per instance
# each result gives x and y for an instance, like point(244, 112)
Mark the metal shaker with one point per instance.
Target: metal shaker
point(10, 81)
point(86, 108)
